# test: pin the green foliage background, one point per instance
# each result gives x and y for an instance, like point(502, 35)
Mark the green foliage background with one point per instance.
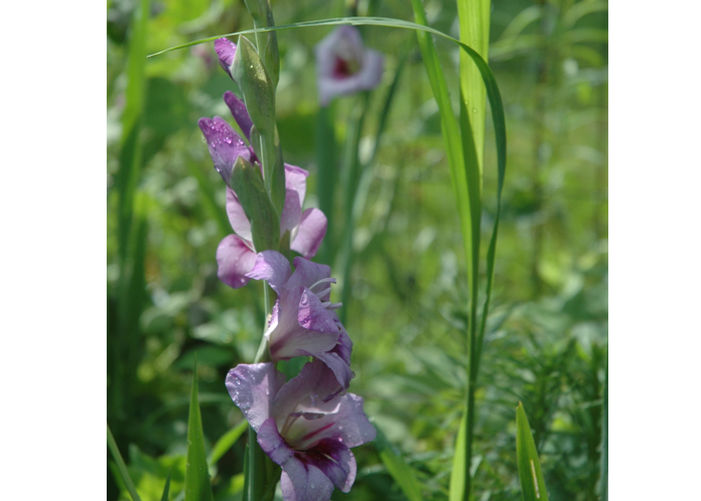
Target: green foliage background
point(546, 339)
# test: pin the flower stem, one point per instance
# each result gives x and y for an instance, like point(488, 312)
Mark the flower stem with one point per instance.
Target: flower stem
point(352, 171)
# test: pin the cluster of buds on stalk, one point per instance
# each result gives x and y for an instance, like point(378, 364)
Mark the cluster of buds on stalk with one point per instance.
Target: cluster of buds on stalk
point(306, 425)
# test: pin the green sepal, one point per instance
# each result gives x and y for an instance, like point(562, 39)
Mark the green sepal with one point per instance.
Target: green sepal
point(255, 83)
point(259, 95)
point(529, 473)
point(268, 148)
point(247, 182)
point(262, 16)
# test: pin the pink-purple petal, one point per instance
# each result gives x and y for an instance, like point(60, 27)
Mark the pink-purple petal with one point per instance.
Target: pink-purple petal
point(309, 233)
point(349, 424)
point(314, 316)
point(340, 367)
point(296, 180)
point(301, 481)
point(226, 51)
point(237, 216)
point(252, 387)
point(313, 390)
point(235, 259)
point(271, 266)
point(272, 443)
point(307, 274)
point(239, 112)
point(224, 145)
point(291, 212)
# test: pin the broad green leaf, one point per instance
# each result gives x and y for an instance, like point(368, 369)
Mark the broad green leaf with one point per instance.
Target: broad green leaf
point(226, 442)
point(473, 16)
point(403, 474)
point(197, 487)
point(248, 185)
point(121, 466)
point(529, 472)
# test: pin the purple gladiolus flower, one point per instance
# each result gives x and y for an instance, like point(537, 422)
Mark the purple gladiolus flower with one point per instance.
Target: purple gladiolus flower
point(307, 425)
point(345, 66)
point(303, 321)
point(236, 253)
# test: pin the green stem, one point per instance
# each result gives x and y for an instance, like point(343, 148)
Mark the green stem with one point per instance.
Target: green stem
point(327, 177)
point(352, 170)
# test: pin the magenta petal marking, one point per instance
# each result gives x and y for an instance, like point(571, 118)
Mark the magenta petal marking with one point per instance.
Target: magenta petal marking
point(336, 461)
point(234, 260)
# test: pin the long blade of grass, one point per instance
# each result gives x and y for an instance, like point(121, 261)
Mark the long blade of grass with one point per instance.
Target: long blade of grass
point(121, 466)
point(197, 487)
point(473, 16)
point(326, 155)
point(403, 474)
point(226, 442)
point(121, 339)
point(529, 472)
point(166, 490)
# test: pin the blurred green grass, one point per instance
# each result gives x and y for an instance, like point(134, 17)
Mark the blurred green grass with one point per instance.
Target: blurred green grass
point(546, 339)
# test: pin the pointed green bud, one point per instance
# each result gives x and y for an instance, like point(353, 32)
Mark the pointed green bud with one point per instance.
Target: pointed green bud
point(247, 182)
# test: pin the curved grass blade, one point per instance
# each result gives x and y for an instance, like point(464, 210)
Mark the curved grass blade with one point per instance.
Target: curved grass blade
point(226, 442)
point(121, 466)
point(197, 487)
point(166, 490)
point(402, 473)
point(529, 472)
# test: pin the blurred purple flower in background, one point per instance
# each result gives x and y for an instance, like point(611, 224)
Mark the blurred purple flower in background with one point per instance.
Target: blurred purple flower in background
point(344, 65)
point(307, 425)
point(303, 321)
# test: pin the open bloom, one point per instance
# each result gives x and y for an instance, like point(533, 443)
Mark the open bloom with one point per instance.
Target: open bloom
point(306, 425)
point(303, 321)
point(344, 65)
point(236, 253)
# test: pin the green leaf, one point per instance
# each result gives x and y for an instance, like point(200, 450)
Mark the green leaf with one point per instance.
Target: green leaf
point(246, 181)
point(403, 474)
point(197, 487)
point(529, 472)
point(226, 442)
point(121, 466)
